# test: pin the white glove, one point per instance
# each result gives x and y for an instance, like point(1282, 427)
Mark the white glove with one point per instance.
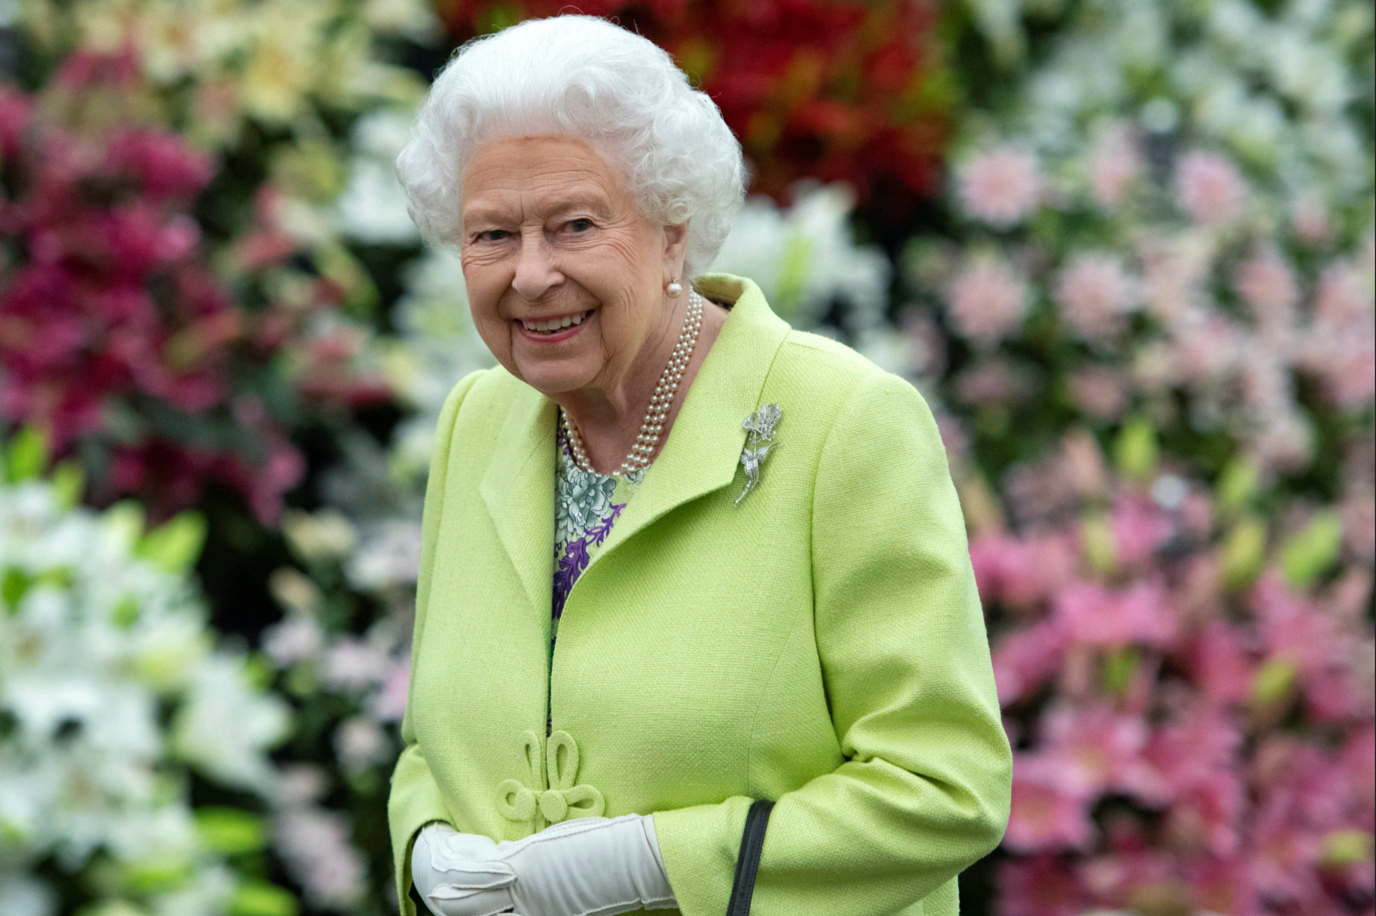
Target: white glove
point(587, 866)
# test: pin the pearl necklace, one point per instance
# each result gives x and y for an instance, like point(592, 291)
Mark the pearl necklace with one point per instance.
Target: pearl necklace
point(653, 425)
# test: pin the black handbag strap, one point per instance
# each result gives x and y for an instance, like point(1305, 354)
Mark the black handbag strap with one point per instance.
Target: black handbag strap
point(752, 844)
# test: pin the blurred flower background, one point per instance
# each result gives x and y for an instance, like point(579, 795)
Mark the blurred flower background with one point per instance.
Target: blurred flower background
point(1124, 247)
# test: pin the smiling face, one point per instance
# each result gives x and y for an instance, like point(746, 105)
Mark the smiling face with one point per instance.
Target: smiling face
point(565, 275)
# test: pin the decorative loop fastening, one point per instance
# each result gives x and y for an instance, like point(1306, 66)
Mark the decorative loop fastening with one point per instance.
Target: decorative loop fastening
point(515, 800)
point(563, 799)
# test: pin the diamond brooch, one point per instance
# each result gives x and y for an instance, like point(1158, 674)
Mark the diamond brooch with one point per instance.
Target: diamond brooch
point(760, 440)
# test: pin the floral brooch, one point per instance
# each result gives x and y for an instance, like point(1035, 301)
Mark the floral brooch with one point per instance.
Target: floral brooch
point(760, 426)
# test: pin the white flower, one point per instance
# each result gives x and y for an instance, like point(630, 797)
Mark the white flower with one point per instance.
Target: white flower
point(95, 644)
point(21, 895)
point(388, 557)
point(360, 743)
point(315, 844)
point(804, 257)
point(297, 638)
point(372, 207)
point(219, 694)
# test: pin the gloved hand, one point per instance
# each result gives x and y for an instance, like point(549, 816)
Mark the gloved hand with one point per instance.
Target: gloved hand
point(587, 866)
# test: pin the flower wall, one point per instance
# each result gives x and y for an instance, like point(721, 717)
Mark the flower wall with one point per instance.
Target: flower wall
point(1125, 249)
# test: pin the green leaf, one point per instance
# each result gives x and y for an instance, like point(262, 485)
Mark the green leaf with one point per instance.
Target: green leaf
point(28, 455)
point(1273, 682)
point(125, 519)
point(176, 543)
point(1100, 546)
point(1119, 668)
point(1238, 484)
point(1136, 451)
point(230, 831)
point(157, 875)
point(1244, 551)
point(125, 613)
point(1346, 847)
point(112, 908)
point(69, 482)
point(14, 584)
point(1306, 556)
point(259, 898)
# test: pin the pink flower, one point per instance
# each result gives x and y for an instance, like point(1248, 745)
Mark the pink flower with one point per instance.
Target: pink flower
point(16, 112)
point(1209, 187)
point(1285, 854)
point(986, 382)
point(1309, 220)
point(1023, 572)
point(1131, 870)
point(359, 743)
point(1139, 529)
point(1176, 271)
point(1091, 614)
point(1345, 298)
point(1044, 815)
point(1305, 634)
point(352, 665)
point(1099, 392)
point(300, 784)
point(1221, 665)
point(1094, 749)
point(1094, 294)
point(390, 704)
point(1187, 752)
point(1285, 442)
point(988, 301)
point(1223, 885)
point(314, 842)
point(1026, 659)
point(164, 165)
point(1116, 163)
point(1040, 885)
point(1208, 814)
point(1269, 286)
point(295, 639)
point(1001, 186)
point(1359, 526)
point(1358, 767)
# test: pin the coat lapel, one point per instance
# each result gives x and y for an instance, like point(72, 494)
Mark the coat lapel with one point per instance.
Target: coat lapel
point(702, 453)
point(518, 490)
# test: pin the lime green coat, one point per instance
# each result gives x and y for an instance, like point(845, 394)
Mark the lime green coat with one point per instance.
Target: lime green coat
point(821, 645)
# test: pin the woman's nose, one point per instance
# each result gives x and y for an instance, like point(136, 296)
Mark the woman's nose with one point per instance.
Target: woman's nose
point(535, 268)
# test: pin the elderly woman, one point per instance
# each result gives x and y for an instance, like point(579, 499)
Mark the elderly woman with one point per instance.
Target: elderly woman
point(680, 561)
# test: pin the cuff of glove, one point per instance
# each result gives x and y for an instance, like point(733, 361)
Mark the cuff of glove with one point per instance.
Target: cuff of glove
point(602, 859)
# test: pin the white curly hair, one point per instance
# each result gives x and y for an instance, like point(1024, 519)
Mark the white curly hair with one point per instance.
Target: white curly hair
point(584, 77)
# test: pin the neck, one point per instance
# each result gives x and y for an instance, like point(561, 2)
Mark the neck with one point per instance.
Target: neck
point(609, 420)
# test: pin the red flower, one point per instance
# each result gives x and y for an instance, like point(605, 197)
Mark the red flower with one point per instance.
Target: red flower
point(838, 90)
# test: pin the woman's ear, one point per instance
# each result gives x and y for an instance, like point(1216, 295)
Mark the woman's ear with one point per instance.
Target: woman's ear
point(675, 247)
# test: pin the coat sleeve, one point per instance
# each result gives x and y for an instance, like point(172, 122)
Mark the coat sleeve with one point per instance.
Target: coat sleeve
point(415, 798)
point(924, 791)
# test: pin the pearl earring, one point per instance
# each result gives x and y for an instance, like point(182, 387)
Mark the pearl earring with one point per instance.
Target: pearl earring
point(674, 289)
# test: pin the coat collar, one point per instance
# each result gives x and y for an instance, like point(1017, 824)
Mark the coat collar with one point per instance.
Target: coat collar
point(701, 454)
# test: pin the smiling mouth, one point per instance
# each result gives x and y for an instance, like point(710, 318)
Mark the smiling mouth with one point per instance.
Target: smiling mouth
point(554, 325)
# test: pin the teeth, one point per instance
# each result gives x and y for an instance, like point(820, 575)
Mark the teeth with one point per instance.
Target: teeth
point(555, 324)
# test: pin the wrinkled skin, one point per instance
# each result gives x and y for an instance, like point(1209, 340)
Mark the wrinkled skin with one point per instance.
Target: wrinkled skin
point(550, 229)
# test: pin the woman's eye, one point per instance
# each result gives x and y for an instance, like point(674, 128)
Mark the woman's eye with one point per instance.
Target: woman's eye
point(493, 235)
point(580, 225)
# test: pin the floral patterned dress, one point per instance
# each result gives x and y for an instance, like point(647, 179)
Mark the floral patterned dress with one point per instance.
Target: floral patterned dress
point(586, 505)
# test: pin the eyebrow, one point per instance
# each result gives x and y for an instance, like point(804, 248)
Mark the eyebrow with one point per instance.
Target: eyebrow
point(594, 205)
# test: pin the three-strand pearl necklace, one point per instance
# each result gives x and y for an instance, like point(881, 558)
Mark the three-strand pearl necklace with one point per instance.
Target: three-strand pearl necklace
point(652, 427)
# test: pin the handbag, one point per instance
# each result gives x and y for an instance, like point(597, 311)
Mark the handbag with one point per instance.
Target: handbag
point(752, 844)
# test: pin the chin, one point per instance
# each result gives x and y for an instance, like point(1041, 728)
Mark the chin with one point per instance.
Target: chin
point(553, 380)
